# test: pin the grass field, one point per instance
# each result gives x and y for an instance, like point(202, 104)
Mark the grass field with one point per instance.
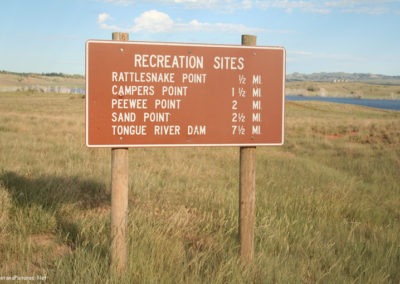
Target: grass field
point(327, 202)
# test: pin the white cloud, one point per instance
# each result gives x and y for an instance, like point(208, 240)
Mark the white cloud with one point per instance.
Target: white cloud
point(223, 5)
point(290, 6)
point(301, 52)
point(307, 6)
point(195, 25)
point(362, 6)
point(102, 19)
point(325, 7)
point(120, 2)
point(154, 21)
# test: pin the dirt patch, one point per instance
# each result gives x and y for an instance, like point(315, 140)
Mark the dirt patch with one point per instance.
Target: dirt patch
point(335, 136)
point(49, 243)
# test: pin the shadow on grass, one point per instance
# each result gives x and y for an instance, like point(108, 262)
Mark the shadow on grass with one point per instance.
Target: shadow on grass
point(51, 192)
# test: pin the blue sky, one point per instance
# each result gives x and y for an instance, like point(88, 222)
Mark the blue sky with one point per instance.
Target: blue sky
point(319, 36)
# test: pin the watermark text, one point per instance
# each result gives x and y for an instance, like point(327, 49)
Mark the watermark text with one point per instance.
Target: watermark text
point(23, 278)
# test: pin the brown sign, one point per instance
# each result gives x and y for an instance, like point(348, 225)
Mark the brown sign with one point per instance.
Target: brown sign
point(164, 94)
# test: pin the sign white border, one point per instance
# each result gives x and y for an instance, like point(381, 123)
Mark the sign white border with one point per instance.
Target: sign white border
point(188, 45)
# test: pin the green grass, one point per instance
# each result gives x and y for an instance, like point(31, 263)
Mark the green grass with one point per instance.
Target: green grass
point(327, 202)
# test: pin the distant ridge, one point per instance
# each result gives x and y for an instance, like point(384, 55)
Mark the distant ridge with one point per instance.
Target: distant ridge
point(316, 77)
point(51, 74)
point(42, 83)
point(345, 77)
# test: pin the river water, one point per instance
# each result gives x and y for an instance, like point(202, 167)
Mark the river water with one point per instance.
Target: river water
point(374, 103)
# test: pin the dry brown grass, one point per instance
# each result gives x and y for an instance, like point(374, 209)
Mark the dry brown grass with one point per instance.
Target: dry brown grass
point(327, 202)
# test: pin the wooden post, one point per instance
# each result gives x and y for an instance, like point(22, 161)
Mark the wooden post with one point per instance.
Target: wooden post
point(247, 188)
point(119, 199)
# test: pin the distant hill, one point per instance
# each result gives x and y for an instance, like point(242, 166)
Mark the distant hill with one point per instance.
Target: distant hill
point(46, 82)
point(297, 83)
point(345, 77)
